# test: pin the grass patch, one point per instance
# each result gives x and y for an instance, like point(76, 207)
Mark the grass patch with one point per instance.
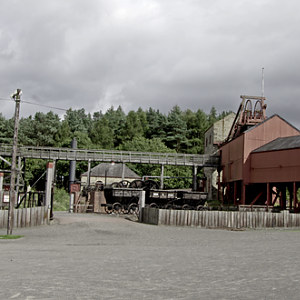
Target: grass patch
point(61, 200)
point(10, 237)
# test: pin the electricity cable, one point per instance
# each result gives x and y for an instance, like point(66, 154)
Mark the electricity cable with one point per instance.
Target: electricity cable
point(27, 102)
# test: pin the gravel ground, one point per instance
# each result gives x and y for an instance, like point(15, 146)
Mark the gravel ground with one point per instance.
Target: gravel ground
point(87, 256)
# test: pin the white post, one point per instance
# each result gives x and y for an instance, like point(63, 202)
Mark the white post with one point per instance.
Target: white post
point(88, 181)
point(1, 189)
point(48, 187)
point(123, 171)
point(141, 204)
point(162, 177)
point(71, 204)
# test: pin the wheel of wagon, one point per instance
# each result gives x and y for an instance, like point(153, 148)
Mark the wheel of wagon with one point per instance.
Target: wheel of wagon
point(151, 185)
point(108, 209)
point(115, 184)
point(186, 207)
point(133, 209)
point(124, 184)
point(168, 206)
point(117, 208)
point(199, 207)
point(153, 205)
point(137, 184)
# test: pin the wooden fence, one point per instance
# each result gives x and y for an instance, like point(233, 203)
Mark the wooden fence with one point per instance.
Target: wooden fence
point(26, 217)
point(220, 219)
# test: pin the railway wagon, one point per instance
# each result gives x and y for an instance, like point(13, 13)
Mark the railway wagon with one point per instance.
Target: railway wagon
point(126, 200)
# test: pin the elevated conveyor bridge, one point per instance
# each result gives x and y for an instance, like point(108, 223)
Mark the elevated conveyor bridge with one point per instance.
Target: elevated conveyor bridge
point(50, 153)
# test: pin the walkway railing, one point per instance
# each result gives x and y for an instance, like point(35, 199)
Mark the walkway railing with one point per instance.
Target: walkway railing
point(112, 155)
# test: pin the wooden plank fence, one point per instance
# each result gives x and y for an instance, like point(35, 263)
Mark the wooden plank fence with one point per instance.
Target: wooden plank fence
point(26, 217)
point(220, 219)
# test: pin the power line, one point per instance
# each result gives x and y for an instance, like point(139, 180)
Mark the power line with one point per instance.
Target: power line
point(6, 99)
point(44, 105)
point(27, 102)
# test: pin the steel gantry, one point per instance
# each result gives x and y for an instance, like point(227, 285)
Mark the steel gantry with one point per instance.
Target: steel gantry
point(50, 153)
point(176, 159)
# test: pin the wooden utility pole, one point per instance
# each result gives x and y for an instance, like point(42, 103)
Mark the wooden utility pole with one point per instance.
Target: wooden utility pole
point(10, 222)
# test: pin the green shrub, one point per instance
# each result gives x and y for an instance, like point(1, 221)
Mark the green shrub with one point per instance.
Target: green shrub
point(61, 200)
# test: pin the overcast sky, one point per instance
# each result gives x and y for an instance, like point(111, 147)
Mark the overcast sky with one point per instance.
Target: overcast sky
point(95, 54)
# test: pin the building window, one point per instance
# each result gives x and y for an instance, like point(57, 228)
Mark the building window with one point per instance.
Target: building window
point(210, 139)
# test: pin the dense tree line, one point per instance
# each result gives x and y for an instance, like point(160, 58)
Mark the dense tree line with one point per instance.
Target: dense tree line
point(149, 131)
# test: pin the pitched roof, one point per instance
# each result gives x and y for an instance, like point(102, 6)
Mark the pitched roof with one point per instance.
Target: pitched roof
point(282, 143)
point(268, 119)
point(111, 170)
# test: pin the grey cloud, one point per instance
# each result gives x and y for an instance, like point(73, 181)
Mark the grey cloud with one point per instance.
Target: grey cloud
point(196, 54)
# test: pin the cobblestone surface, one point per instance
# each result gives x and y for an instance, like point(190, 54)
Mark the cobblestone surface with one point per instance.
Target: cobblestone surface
point(86, 256)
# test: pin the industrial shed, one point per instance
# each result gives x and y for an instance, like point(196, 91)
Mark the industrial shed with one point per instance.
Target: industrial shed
point(242, 181)
point(108, 173)
point(276, 165)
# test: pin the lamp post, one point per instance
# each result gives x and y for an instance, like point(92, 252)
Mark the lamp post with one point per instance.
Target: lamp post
point(10, 222)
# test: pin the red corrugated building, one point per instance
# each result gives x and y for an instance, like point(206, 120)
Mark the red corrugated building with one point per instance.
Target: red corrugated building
point(257, 167)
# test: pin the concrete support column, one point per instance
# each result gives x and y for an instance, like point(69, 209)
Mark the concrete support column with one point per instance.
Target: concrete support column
point(88, 181)
point(53, 184)
point(295, 194)
point(1, 188)
point(48, 187)
point(142, 202)
point(72, 176)
point(72, 165)
point(123, 171)
point(195, 179)
point(162, 177)
point(219, 185)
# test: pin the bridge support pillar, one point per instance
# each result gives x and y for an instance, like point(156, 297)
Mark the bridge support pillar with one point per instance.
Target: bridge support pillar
point(89, 173)
point(142, 201)
point(72, 176)
point(162, 177)
point(1, 188)
point(123, 171)
point(195, 179)
point(48, 187)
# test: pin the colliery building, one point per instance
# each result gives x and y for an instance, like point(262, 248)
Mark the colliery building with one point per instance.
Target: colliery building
point(260, 159)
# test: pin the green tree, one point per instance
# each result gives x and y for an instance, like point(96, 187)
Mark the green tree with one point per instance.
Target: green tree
point(46, 129)
point(97, 115)
point(83, 140)
point(101, 134)
point(6, 129)
point(78, 120)
point(116, 119)
point(176, 131)
point(143, 120)
point(133, 126)
point(212, 117)
point(64, 138)
point(152, 120)
point(26, 135)
point(197, 124)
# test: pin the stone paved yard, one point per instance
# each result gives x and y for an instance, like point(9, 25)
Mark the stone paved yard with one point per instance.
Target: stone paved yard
point(85, 256)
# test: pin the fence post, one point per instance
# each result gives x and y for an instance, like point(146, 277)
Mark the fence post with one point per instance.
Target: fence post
point(141, 205)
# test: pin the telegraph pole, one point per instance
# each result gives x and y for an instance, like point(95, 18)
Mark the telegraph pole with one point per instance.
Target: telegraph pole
point(10, 222)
